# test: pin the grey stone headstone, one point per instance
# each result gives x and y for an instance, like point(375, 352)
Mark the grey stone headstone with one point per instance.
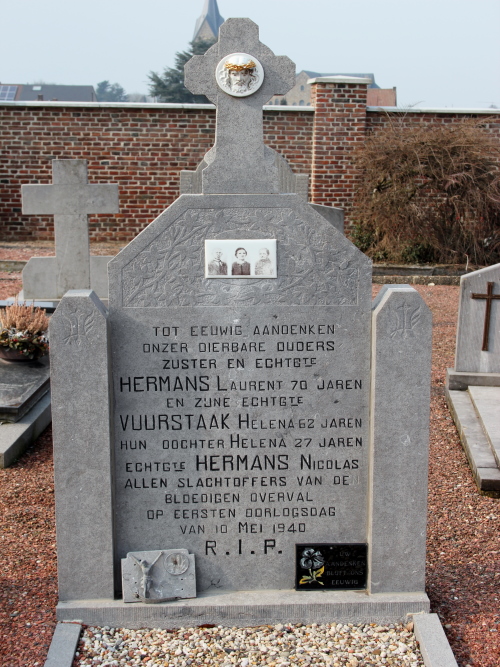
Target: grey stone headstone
point(250, 435)
point(70, 198)
point(243, 422)
point(168, 573)
point(400, 400)
point(470, 357)
point(83, 459)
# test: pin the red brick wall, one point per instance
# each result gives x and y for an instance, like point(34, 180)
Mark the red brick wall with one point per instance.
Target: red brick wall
point(290, 133)
point(142, 149)
point(339, 126)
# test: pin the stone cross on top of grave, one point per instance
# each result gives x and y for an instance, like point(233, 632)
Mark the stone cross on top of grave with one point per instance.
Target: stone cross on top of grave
point(239, 74)
point(70, 199)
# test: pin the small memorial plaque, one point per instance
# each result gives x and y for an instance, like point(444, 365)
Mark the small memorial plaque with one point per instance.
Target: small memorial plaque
point(240, 258)
point(158, 576)
point(330, 566)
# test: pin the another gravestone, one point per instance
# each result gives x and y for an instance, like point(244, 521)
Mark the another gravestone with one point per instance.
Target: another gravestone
point(245, 419)
point(24, 406)
point(473, 386)
point(70, 199)
point(22, 385)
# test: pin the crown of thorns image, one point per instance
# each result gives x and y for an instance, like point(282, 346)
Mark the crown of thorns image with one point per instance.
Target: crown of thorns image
point(235, 67)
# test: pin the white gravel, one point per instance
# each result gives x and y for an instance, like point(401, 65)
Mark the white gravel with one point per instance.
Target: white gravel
point(328, 644)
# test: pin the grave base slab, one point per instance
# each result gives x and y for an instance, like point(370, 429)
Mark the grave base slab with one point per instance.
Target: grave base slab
point(460, 380)
point(22, 385)
point(249, 608)
point(476, 446)
point(39, 278)
point(16, 437)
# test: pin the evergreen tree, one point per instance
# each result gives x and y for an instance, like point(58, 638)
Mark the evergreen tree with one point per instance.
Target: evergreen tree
point(169, 86)
point(110, 92)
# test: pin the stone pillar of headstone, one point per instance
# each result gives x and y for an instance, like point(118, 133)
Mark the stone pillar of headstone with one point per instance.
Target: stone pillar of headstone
point(70, 199)
point(83, 469)
point(400, 399)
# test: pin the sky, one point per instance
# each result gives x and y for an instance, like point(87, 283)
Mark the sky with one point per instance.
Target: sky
point(437, 53)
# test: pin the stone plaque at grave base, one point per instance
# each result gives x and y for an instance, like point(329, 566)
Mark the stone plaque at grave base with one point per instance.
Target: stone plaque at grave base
point(238, 417)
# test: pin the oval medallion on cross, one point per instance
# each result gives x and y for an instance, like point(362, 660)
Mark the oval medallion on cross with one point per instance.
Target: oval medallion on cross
point(239, 74)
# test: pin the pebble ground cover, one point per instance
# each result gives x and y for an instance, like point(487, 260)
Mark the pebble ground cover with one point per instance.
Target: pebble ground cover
point(332, 645)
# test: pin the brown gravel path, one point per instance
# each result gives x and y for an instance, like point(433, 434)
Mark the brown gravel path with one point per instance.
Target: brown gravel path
point(24, 250)
point(463, 555)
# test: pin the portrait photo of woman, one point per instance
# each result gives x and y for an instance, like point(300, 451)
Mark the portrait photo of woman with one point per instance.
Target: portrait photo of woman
point(240, 267)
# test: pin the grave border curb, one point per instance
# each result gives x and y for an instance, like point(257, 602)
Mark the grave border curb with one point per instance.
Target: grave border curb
point(64, 644)
point(433, 642)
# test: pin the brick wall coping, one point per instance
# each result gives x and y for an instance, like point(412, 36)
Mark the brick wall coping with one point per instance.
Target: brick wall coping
point(488, 112)
point(108, 105)
point(341, 79)
point(142, 105)
point(287, 107)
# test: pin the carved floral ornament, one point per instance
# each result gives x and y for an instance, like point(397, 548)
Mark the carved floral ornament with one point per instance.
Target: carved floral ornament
point(239, 74)
point(168, 271)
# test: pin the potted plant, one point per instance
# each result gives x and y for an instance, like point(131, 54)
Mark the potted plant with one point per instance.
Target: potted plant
point(23, 333)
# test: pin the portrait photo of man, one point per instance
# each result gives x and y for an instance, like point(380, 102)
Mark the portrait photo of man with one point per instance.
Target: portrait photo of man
point(217, 267)
point(240, 267)
point(264, 265)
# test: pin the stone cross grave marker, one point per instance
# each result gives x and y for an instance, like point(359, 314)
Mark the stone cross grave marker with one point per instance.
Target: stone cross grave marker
point(240, 163)
point(270, 426)
point(70, 199)
point(473, 386)
point(478, 332)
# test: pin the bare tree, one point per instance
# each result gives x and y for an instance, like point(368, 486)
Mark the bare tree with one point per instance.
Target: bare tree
point(429, 193)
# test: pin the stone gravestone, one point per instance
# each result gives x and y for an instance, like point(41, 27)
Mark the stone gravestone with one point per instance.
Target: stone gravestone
point(274, 427)
point(24, 406)
point(473, 386)
point(70, 199)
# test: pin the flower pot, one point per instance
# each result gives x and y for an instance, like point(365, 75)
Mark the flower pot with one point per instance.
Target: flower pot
point(10, 354)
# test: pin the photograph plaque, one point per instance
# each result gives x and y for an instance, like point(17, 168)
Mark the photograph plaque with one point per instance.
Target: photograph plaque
point(240, 258)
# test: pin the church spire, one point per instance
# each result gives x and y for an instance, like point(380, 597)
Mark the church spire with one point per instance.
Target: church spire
point(208, 24)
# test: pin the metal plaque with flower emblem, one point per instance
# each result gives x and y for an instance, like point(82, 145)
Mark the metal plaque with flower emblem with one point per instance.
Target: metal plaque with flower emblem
point(331, 567)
